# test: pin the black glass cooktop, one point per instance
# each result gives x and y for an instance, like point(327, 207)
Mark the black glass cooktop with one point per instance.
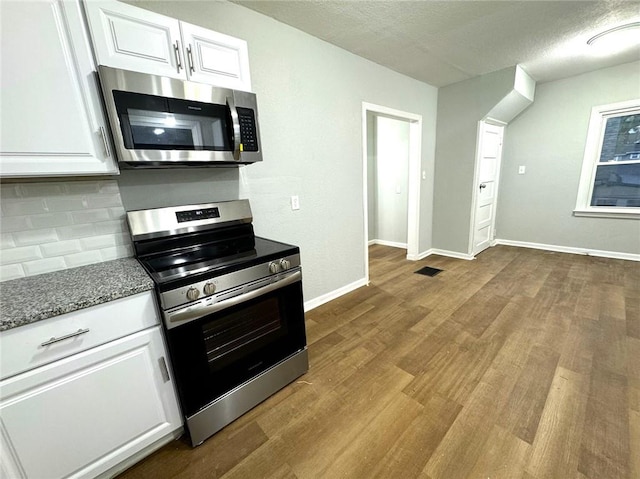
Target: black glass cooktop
point(209, 260)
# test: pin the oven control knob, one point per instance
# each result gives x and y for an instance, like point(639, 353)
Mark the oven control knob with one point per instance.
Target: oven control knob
point(274, 267)
point(193, 293)
point(209, 288)
point(285, 264)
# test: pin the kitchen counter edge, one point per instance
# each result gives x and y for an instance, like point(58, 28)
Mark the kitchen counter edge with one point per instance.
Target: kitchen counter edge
point(34, 298)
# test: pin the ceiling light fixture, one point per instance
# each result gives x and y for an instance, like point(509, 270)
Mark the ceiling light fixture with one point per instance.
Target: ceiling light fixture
point(617, 38)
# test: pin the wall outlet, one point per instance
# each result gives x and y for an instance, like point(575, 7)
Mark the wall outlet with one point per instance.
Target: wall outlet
point(295, 202)
point(522, 170)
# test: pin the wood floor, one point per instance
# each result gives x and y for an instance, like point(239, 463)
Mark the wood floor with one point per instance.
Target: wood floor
point(520, 364)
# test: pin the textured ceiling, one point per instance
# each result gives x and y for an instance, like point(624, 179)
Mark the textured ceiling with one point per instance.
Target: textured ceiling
point(444, 42)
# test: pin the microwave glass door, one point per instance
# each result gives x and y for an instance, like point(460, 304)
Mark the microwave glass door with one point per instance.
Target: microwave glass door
point(151, 122)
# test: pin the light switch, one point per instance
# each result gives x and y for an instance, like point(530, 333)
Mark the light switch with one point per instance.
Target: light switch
point(295, 202)
point(521, 169)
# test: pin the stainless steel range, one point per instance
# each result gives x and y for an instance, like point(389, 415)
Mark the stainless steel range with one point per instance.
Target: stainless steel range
point(231, 304)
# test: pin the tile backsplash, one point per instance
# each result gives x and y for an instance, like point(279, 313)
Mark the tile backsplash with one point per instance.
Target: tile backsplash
point(58, 225)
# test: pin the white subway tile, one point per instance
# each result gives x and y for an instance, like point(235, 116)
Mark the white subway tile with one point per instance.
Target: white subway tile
point(40, 266)
point(50, 220)
point(6, 240)
point(41, 190)
point(104, 201)
point(35, 237)
point(20, 207)
point(90, 216)
point(83, 187)
point(10, 224)
point(11, 271)
point(118, 213)
point(18, 255)
point(80, 259)
point(98, 242)
point(76, 231)
point(9, 191)
point(111, 227)
point(66, 204)
point(122, 251)
point(110, 187)
point(61, 248)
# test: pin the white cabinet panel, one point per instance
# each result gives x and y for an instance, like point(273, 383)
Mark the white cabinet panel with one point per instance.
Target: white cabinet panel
point(51, 120)
point(216, 58)
point(84, 414)
point(136, 39)
point(21, 349)
point(131, 38)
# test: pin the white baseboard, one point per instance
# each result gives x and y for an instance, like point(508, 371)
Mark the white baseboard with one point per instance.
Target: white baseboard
point(325, 298)
point(442, 252)
point(570, 249)
point(393, 244)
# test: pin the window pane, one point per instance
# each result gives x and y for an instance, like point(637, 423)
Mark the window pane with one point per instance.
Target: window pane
point(617, 185)
point(621, 140)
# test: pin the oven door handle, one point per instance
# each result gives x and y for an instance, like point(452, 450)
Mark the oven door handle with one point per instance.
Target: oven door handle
point(191, 313)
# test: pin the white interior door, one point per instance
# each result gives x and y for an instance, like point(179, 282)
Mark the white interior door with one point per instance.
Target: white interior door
point(486, 187)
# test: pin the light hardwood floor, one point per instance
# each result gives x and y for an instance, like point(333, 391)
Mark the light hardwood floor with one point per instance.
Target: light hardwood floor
point(520, 364)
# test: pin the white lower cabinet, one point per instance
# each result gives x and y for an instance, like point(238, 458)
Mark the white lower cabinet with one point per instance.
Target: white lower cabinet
point(84, 414)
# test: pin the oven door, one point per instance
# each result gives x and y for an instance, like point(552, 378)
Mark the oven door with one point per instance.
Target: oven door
point(231, 341)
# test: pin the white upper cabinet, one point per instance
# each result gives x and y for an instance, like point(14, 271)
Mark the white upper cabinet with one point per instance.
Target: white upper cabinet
point(135, 39)
point(51, 120)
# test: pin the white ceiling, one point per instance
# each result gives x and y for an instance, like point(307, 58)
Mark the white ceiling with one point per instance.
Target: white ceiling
point(444, 42)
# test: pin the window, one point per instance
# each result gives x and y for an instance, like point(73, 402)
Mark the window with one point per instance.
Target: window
point(610, 179)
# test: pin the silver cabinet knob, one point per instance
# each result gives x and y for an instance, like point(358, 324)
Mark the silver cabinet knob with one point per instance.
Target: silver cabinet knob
point(209, 288)
point(193, 293)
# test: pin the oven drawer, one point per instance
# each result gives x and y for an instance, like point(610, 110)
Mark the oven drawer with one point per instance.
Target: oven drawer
point(33, 345)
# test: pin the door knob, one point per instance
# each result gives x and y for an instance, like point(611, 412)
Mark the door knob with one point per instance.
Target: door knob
point(482, 185)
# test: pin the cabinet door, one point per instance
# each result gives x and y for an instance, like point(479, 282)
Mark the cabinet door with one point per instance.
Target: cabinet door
point(215, 58)
point(51, 120)
point(135, 39)
point(84, 414)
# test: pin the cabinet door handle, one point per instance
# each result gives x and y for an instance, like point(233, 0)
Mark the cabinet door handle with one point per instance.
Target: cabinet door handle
point(176, 51)
point(163, 369)
point(190, 59)
point(105, 143)
point(66, 336)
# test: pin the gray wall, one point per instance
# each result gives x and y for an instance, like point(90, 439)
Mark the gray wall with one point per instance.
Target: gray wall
point(310, 96)
point(460, 107)
point(549, 139)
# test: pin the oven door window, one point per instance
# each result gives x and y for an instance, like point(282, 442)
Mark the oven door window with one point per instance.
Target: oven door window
point(218, 352)
point(151, 122)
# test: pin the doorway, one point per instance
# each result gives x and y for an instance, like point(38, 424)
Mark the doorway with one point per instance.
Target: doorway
point(489, 155)
point(391, 187)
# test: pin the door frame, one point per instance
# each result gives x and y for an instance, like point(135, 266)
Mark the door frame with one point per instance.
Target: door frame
point(415, 154)
point(476, 176)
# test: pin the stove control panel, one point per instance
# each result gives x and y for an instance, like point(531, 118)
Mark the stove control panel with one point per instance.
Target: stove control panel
point(193, 294)
point(279, 265)
point(217, 288)
point(209, 288)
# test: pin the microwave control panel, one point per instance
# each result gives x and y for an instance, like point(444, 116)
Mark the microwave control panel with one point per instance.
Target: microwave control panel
point(248, 134)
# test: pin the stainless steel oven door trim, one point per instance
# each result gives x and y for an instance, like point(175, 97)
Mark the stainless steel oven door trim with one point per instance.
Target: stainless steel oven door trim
point(196, 311)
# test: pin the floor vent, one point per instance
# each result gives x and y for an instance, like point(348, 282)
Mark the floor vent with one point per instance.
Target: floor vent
point(429, 271)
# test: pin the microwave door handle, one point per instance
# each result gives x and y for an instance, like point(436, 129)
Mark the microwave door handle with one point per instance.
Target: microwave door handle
point(235, 121)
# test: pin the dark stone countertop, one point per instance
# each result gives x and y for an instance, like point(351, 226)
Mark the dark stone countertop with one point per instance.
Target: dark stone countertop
point(27, 300)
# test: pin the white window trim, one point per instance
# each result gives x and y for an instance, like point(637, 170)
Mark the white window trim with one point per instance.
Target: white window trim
point(599, 115)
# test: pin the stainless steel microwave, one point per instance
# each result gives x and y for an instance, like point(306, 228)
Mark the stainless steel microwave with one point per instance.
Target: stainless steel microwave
point(161, 122)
